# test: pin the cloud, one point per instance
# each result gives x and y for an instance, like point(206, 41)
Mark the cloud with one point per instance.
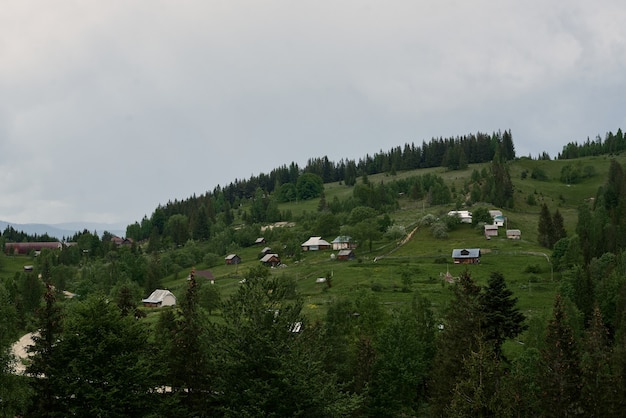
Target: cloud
point(108, 109)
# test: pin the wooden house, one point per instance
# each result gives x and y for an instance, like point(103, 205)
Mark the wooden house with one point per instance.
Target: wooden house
point(491, 231)
point(27, 247)
point(466, 256)
point(232, 259)
point(259, 241)
point(343, 242)
point(271, 260)
point(345, 255)
point(315, 243)
point(513, 234)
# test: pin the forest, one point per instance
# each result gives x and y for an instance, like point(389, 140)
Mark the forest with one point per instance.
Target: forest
point(382, 336)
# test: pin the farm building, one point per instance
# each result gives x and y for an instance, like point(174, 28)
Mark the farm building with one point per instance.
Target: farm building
point(346, 255)
point(513, 234)
point(314, 244)
point(498, 218)
point(466, 256)
point(464, 215)
point(491, 231)
point(158, 298)
point(271, 260)
point(259, 241)
point(343, 242)
point(27, 247)
point(232, 259)
point(266, 250)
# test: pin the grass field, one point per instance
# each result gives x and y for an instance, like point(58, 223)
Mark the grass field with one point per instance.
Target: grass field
point(524, 264)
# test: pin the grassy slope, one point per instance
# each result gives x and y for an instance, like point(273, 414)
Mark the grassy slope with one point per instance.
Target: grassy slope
point(512, 258)
point(535, 291)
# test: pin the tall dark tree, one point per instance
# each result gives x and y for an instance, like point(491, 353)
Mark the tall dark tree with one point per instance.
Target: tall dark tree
point(597, 396)
point(185, 354)
point(107, 368)
point(46, 364)
point(558, 228)
point(545, 228)
point(460, 336)
point(502, 319)
point(560, 378)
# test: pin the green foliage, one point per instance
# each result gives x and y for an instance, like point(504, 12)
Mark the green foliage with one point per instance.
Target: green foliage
point(481, 214)
point(309, 186)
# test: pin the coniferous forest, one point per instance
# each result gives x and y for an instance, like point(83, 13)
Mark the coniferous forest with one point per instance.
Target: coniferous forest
point(537, 328)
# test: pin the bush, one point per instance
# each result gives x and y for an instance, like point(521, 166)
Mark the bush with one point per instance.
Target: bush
point(376, 287)
point(532, 268)
point(439, 230)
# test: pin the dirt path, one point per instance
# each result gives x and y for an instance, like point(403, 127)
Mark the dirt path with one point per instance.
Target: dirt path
point(19, 351)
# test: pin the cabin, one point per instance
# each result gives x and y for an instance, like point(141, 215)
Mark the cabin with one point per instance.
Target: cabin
point(466, 256)
point(266, 250)
point(464, 215)
point(345, 255)
point(259, 241)
point(159, 298)
point(513, 234)
point(315, 244)
point(271, 260)
point(343, 242)
point(232, 259)
point(491, 231)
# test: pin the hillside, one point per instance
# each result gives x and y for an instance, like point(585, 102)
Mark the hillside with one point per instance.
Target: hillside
point(524, 263)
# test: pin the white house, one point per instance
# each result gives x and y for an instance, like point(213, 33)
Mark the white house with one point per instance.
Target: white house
point(160, 297)
point(465, 215)
point(315, 243)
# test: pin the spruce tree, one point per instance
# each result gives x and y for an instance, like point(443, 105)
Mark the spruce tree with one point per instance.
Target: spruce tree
point(501, 319)
point(460, 337)
point(597, 397)
point(560, 379)
point(558, 228)
point(545, 228)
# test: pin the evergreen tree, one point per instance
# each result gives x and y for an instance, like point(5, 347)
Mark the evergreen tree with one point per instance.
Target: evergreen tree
point(460, 337)
point(502, 320)
point(104, 367)
point(185, 352)
point(560, 378)
point(597, 396)
point(46, 365)
point(14, 391)
point(558, 228)
point(545, 227)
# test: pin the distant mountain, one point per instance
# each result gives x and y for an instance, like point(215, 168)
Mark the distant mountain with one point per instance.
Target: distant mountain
point(65, 229)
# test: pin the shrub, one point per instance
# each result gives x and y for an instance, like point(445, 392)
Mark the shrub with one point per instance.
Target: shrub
point(439, 230)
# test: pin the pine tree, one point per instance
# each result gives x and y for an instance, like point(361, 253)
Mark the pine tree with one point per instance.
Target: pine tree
point(560, 380)
point(502, 320)
point(460, 337)
point(558, 228)
point(45, 362)
point(597, 396)
point(545, 227)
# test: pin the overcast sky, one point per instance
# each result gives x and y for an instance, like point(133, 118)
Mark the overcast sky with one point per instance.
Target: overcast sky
point(110, 108)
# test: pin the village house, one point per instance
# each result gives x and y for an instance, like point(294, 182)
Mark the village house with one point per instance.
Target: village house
point(159, 298)
point(271, 260)
point(466, 256)
point(491, 231)
point(513, 234)
point(26, 247)
point(345, 255)
point(464, 215)
point(259, 241)
point(232, 259)
point(343, 242)
point(315, 243)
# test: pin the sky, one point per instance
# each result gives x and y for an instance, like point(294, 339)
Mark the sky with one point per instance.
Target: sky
point(111, 108)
